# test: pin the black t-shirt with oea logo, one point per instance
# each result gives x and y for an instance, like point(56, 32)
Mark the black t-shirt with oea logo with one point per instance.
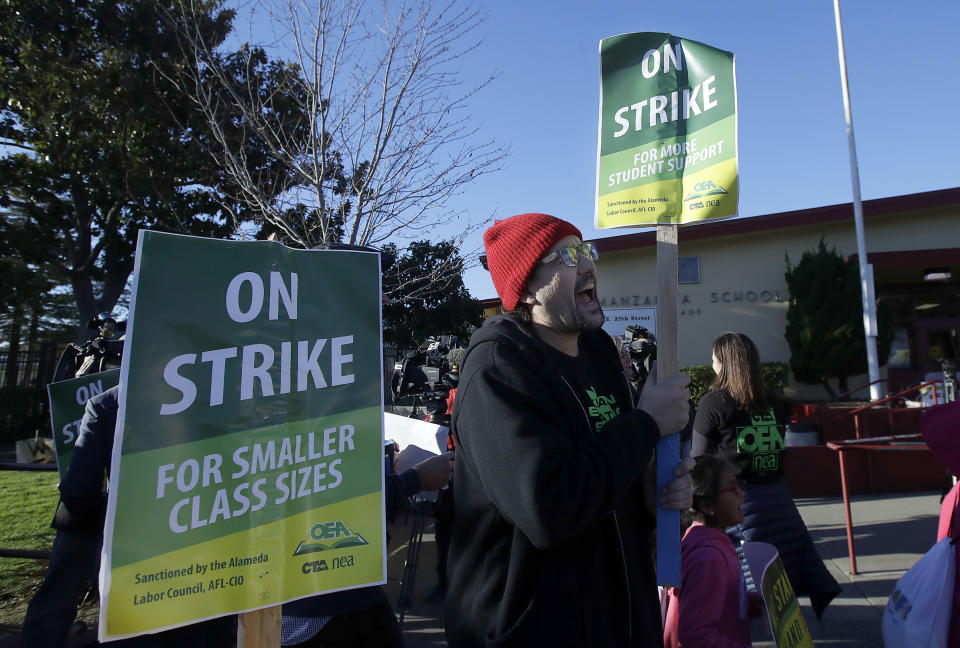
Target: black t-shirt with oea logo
point(595, 389)
point(752, 440)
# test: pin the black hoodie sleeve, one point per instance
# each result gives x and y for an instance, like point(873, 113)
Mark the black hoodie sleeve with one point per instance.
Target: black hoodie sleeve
point(527, 445)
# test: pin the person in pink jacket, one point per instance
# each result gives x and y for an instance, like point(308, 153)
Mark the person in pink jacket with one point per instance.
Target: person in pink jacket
point(940, 425)
point(711, 607)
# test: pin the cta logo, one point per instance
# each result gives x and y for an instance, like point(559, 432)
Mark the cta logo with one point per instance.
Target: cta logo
point(704, 189)
point(325, 536)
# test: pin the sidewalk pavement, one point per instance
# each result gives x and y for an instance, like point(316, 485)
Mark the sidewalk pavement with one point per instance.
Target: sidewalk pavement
point(891, 533)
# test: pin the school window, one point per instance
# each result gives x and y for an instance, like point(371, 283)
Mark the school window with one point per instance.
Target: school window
point(688, 270)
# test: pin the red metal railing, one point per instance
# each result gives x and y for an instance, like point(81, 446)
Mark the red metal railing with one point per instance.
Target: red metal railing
point(854, 391)
point(891, 411)
point(876, 444)
point(890, 443)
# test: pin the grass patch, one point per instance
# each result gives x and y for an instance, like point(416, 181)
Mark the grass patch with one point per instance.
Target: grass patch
point(27, 504)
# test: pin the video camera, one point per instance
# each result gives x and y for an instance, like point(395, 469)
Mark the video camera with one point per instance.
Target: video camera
point(641, 345)
point(427, 375)
point(101, 353)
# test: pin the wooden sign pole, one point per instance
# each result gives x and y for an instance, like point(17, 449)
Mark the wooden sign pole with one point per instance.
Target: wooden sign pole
point(259, 629)
point(668, 448)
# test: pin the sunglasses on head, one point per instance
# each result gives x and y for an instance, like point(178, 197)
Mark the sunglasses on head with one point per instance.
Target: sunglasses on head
point(570, 255)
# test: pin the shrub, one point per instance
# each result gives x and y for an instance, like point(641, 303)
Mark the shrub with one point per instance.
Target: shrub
point(23, 411)
point(775, 376)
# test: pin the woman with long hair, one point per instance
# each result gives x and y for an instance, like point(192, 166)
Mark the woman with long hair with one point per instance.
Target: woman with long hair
point(744, 421)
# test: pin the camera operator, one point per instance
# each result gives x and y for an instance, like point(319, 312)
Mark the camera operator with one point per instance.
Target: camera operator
point(641, 346)
point(101, 353)
point(444, 510)
point(432, 378)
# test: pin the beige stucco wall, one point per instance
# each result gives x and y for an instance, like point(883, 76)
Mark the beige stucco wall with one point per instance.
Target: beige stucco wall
point(742, 285)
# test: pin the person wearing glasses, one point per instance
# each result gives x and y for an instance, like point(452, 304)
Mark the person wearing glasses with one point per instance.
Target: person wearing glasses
point(554, 478)
point(742, 419)
point(711, 608)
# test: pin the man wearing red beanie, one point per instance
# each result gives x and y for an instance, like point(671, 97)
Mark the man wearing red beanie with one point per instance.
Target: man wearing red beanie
point(554, 479)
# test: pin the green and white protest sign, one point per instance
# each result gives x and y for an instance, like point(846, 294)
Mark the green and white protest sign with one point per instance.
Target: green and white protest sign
point(784, 617)
point(666, 156)
point(667, 150)
point(68, 398)
point(248, 463)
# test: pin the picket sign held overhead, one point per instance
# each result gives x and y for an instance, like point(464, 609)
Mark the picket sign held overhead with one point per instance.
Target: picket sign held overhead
point(666, 156)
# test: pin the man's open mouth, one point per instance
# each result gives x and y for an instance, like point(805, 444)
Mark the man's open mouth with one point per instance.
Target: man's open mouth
point(587, 293)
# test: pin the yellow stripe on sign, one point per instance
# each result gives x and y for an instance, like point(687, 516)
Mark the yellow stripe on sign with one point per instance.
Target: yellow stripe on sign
point(251, 569)
point(707, 194)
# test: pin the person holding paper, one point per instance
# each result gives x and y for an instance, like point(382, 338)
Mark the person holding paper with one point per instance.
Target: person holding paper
point(743, 420)
point(362, 617)
point(554, 479)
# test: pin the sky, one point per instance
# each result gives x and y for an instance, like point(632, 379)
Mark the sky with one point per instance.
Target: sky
point(902, 62)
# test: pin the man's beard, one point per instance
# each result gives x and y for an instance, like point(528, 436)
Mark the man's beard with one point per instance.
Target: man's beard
point(577, 324)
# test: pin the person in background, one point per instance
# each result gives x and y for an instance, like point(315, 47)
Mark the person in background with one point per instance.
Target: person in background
point(362, 617)
point(554, 482)
point(740, 418)
point(939, 427)
point(711, 608)
point(629, 371)
point(75, 558)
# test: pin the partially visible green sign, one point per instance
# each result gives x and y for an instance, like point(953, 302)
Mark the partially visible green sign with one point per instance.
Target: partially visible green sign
point(784, 617)
point(667, 151)
point(248, 466)
point(68, 398)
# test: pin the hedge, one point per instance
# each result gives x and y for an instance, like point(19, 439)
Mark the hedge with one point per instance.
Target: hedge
point(775, 376)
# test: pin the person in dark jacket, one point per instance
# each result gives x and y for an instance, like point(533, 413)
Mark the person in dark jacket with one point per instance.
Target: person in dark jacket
point(743, 420)
point(554, 480)
point(362, 617)
point(75, 557)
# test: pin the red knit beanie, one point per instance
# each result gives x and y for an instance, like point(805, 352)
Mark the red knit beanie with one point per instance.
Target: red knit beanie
point(514, 246)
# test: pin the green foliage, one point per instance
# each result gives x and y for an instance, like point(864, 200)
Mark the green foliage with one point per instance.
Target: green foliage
point(775, 376)
point(99, 142)
point(28, 500)
point(23, 411)
point(700, 378)
point(825, 319)
point(429, 297)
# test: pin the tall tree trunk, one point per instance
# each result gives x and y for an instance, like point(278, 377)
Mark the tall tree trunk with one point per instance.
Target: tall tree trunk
point(831, 395)
point(86, 304)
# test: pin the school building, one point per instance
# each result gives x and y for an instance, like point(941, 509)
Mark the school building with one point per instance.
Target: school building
point(731, 278)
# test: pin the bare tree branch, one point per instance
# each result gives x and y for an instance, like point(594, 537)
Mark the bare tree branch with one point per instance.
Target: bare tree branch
point(380, 139)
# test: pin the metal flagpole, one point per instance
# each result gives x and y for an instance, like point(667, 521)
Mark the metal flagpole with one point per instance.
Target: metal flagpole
point(866, 271)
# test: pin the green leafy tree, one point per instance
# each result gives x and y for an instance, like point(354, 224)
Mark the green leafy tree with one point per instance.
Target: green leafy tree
point(97, 142)
point(422, 306)
point(825, 319)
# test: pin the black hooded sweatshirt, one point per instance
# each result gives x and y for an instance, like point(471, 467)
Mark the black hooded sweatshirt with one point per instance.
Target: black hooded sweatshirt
point(551, 539)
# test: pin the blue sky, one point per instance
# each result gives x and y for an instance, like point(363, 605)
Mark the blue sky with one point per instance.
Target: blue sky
point(902, 63)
